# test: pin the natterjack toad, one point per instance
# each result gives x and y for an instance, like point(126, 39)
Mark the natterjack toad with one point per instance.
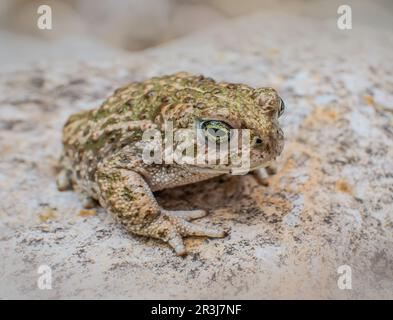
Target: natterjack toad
point(102, 156)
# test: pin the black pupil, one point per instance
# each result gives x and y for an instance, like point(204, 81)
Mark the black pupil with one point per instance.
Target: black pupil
point(258, 140)
point(217, 132)
point(215, 129)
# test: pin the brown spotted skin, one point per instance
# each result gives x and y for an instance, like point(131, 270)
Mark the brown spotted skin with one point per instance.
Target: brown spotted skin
point(102, 159)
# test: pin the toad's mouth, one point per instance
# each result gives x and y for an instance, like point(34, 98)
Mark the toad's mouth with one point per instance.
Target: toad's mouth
point(232, 171)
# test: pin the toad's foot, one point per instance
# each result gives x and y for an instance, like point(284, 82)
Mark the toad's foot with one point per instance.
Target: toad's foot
point(261, 175)
point(172, 227)
point(87, 201)
point(186, 214)
point(63, 181)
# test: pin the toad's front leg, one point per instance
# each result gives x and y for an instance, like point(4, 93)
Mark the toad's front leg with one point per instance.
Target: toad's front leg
point(126, 194)
point(262, 174)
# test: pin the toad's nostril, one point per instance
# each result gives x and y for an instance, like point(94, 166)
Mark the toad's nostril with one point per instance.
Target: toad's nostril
point(258, 141)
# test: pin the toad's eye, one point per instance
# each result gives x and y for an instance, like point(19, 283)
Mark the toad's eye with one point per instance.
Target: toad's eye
point(216, 131)
point(281, 108)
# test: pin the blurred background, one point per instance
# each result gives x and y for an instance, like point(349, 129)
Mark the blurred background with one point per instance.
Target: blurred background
point(132, 25)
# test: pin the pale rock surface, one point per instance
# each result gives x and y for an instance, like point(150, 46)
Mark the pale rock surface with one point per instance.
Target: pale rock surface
point(331, 203)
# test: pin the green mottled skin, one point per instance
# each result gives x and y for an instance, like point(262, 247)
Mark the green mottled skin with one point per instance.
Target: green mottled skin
point(102, 148)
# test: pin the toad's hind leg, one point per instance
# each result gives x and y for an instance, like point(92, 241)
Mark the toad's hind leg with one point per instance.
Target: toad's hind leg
point(64, 177)
point(126, 194)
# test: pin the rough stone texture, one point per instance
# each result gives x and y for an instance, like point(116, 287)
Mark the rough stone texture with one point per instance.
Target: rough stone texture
point(330, 204)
